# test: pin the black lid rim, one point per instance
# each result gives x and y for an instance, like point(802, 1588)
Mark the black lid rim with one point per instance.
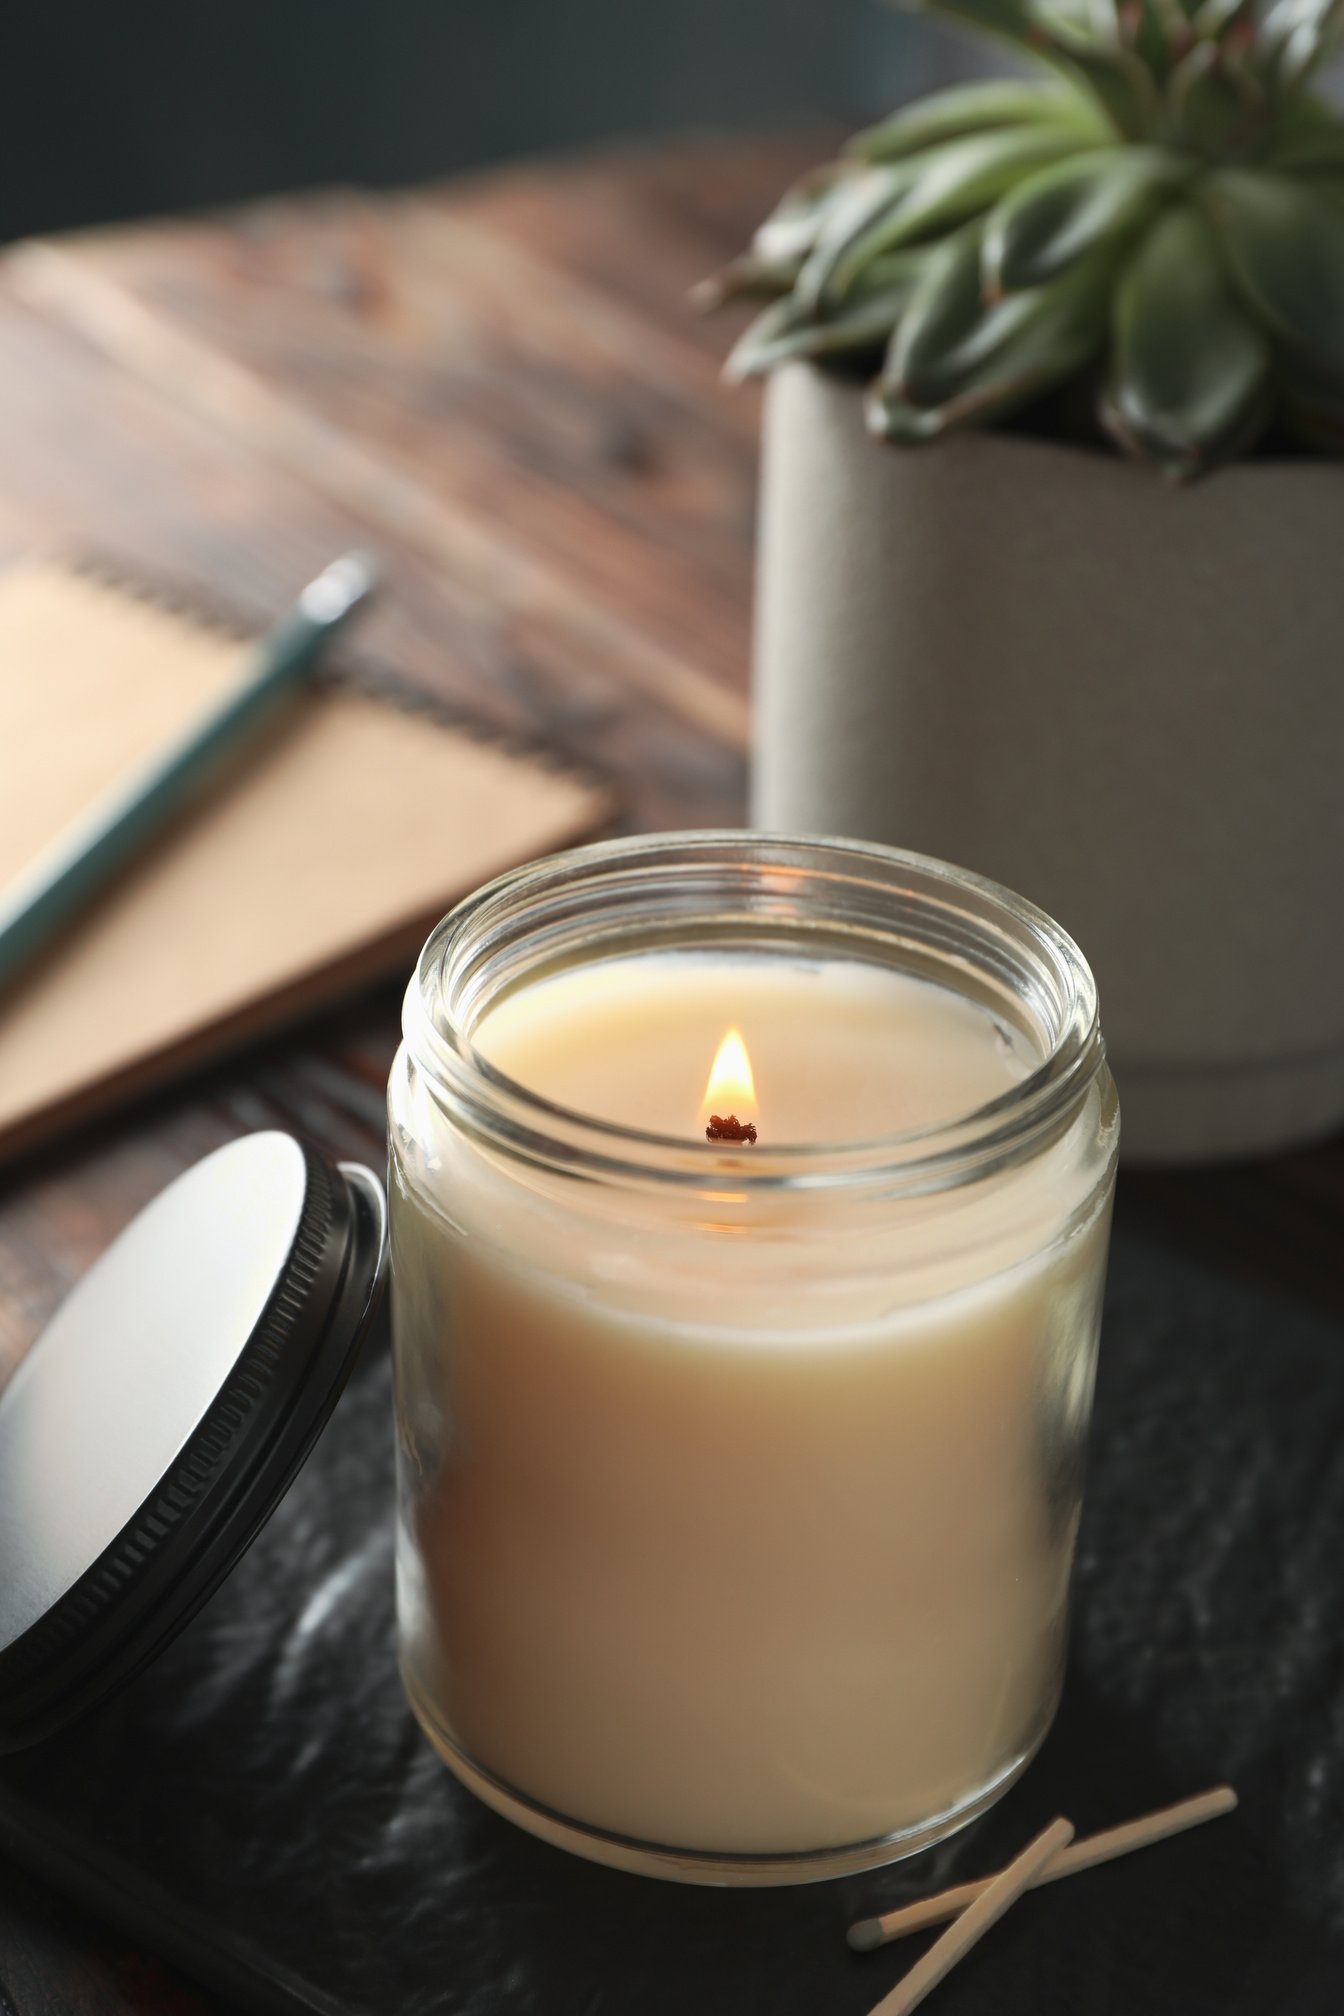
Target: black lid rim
point(229, 1477)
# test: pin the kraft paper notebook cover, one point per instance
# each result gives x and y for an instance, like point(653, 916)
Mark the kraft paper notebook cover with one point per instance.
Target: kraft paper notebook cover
point(317, 863)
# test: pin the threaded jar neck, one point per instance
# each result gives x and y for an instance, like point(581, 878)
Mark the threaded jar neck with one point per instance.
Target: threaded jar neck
point(737, 893)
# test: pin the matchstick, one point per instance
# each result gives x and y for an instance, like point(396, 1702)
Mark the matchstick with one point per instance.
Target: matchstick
point(994, 1899)
point(870, 1933)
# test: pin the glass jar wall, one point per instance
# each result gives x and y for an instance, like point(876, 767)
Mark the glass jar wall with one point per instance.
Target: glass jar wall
point(739, 1480)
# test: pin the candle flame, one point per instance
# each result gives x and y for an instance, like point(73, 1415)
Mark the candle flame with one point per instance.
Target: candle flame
point(731, 1087)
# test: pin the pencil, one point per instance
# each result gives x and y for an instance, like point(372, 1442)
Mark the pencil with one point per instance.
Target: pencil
point(82, 859)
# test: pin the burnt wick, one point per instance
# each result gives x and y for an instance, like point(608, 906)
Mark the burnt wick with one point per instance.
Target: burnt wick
point(731, 1129)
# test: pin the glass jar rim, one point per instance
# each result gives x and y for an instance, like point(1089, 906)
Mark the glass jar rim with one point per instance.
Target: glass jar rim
point(964, 915)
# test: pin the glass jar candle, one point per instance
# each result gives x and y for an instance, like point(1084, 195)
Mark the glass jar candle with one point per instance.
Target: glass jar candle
point(739, 1478)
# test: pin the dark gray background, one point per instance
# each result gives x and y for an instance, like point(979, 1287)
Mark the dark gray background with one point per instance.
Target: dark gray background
point(118, 108)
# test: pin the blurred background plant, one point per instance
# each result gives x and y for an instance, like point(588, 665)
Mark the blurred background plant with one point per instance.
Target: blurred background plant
point(1158, 223)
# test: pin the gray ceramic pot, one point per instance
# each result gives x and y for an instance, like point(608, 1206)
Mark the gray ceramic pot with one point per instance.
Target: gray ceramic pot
point(1122, 699)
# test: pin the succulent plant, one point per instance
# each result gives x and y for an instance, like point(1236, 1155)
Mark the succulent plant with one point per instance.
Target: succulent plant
point(1159, 222)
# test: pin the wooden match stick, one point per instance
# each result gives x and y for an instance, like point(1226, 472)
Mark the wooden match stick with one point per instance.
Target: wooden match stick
point(993, 1900)
point(870, 1933)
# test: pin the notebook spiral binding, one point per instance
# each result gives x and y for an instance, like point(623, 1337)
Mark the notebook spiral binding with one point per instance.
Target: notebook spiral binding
point(164, 1016)
point(345, 667)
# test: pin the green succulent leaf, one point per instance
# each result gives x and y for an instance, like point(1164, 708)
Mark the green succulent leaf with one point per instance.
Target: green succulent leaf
point(948, 330)
point(1311, 149)
point(1052, 217)
point(887, 270)
point(742, 279)
point(790, 231)
point(1302, 113)
point(896, 204)
point(1117, 78)
point(1043, 349)
point(976, 108)
point(1176, 183)
point(892, 417)
point(1218, 107)
point(950, 335)
point(1214, 19)
point(1190, 365)
point(851, 231)
point(1297, 34)
point(1072, 40)
point(1283, 241)
point(1096, 19)
point(1142, 27)
point(786, 329)
point(766, 341)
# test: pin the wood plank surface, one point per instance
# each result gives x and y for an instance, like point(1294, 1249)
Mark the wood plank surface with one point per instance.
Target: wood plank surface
point(500, 386)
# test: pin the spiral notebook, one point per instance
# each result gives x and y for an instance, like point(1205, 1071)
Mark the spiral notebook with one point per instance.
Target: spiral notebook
point(315, 865)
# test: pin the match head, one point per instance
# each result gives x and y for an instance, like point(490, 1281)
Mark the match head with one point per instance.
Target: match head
point(866, 1936)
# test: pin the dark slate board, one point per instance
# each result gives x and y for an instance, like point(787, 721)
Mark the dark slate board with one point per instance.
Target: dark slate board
point(259, 1806)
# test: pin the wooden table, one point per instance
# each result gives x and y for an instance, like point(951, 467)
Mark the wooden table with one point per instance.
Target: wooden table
point(499, 385)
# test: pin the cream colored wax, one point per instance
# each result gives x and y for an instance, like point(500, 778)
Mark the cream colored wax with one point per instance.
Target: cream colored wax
point(741, 1523)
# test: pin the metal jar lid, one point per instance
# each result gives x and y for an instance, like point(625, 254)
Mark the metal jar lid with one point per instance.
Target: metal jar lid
point(156, 1423)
